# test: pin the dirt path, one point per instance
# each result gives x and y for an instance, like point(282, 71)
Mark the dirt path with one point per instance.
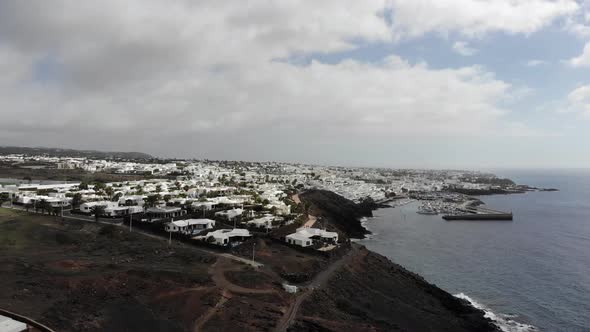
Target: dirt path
point(317, 282)
point(201, 321)
point(311, 220)
point(218, 270)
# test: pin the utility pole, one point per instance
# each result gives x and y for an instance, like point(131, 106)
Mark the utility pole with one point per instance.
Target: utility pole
point(170, 231)
point(130, 221)
point(253, 251)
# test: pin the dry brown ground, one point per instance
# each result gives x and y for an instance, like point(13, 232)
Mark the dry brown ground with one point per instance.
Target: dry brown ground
point(79, 276)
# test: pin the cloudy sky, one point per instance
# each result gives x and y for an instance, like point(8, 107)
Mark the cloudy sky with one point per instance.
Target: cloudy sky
point(397, 83)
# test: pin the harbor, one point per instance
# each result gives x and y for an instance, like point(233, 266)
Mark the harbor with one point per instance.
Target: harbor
point(479, 213)
point(460, 207)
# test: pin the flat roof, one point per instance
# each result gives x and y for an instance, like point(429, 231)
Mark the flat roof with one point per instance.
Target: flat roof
point(188, 222)
point(10, 325)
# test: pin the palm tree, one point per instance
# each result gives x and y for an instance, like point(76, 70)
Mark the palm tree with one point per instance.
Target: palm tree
point(109, 191)
point(97, 210)
point(76, 200)
point(117, 196)
point(44, 206)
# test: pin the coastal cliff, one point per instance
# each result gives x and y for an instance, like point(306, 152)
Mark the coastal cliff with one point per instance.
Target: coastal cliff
point(337, 211)
point(370, 292)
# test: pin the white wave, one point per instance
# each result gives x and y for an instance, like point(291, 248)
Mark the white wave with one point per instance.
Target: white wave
point(364, 223)
point(505, 322)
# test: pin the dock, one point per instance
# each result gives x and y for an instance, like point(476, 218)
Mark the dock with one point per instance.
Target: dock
point(480, 213)
point(480, 216)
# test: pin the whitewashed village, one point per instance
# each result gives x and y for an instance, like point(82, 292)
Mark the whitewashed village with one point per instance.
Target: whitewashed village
point(249, 229)
point(224, 203)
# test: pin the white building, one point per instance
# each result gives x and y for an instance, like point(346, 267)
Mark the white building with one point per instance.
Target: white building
point(88, 206)
point(190, 226)
point(306, 237)
point(121, 211)
point(225, 237)
point(230, 214)
point(164, 212)
point(263, 222)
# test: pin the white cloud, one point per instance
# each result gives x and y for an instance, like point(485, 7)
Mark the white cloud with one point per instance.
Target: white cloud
point(536, 63)
point(463, 48)
point(475, 17)
point(579, 100)
point(583, 60)
point(578, 23)
point(204, 76)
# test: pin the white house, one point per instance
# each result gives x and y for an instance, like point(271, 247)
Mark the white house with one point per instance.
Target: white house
point(120, 211)
point(190, 226)
point(88, 206)
point(203, 205)
point(263, 222)
point(164, 212)
point(225, 237)
point(306, 237)
point(230, 214)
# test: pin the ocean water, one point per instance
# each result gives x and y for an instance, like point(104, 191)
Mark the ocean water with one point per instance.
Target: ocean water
point(530, 274)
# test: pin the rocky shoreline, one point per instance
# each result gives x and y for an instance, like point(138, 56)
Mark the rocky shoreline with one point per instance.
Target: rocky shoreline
point(373, 293)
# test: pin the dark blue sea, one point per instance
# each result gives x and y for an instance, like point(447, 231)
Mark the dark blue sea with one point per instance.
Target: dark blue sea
point(530, 274)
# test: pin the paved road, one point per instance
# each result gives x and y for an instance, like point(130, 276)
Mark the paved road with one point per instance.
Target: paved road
point(317, 282)
point(119, 222)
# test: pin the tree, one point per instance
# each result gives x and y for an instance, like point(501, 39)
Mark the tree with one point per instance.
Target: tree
point(4, 198)
point(44, 206)
point(76, 200)
point(83, 186)
point(158, 188)
point(109, 191)
point(98, 211)
point(117, 197)
point(167, 198)
point(151, 200)
point(99, 186)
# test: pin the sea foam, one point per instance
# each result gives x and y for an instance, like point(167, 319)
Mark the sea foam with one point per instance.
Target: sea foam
point(504, 321)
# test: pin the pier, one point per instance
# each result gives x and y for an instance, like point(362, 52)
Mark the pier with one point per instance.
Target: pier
point(480, 213)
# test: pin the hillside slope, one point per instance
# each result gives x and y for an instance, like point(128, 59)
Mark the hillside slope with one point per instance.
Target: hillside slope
point(56, 152)
point(371, 293)
point(338, 211)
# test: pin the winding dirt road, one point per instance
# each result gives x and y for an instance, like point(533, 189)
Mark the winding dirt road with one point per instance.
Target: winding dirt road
point(317, 282)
